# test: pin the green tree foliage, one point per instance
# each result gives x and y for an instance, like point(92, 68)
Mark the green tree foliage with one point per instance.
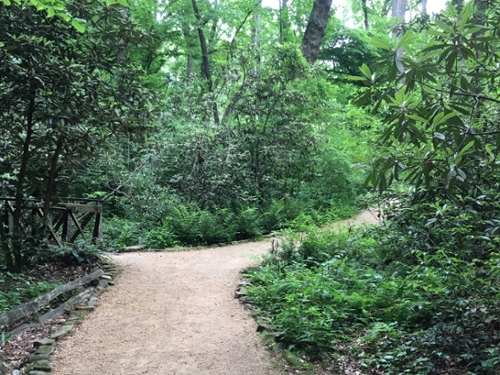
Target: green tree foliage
point(62, 95)
point(441, 130)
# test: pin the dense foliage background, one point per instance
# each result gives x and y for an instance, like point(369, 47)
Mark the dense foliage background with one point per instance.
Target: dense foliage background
point(204, 122)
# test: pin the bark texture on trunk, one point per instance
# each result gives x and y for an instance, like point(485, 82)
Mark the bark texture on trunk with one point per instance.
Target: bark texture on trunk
point(17, 241)
point(365, 14)
point(256, 29)
point(315, 31)
point(190, 67)
point(398, 13)
point(205, 65)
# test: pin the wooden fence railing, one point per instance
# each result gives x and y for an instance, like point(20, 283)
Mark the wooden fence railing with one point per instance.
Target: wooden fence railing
point(66, 222)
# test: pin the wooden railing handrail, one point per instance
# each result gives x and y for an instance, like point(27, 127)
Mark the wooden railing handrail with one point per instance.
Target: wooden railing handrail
point(99, 201)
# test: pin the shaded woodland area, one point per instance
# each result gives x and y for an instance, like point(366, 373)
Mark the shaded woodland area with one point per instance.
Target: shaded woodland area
point(209, 121)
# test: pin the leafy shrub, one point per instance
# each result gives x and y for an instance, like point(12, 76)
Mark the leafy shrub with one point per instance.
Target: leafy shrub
point(159, 238)
point(120, 233)
point(248, 223)
point(387, 297)
point(25, 290)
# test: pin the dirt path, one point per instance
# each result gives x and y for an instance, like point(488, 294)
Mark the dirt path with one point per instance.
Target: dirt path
point(172, 313)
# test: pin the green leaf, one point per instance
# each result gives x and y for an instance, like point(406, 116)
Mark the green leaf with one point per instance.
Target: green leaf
point(363, 98)
point(452, 60)
point(433, 32)
point(78, 26)
point(366, 71)
point(406, 39)
point(123, 2)
point(444, 26)
point(418, 118)
point(380, 43)
point(356, 78)
point(467, 11)
point(6, 2)
point(466, 147)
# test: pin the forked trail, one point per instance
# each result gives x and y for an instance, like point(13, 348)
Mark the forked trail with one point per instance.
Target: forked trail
point(172, 313)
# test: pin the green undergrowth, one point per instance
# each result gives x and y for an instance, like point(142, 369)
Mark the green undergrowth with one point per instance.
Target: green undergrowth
point(189, 225)
point(412, 296)
point(17, 288)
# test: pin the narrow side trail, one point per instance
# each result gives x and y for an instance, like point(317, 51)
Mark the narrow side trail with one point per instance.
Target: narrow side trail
point(171, 313)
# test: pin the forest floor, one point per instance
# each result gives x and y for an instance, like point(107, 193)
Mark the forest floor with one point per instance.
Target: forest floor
point(173, 313)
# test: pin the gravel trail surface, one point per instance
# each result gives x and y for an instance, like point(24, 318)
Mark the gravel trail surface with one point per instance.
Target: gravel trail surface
point(172, 313)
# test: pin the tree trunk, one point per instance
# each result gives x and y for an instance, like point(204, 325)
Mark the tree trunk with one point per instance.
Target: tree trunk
point(52, 178)
point(17, 235)
point(316, 28)
point(190, 67)
point(284, 21)
point(121, 56)
point(398, 13)
point(205, 66)
point(365, 14)
point(256, 37)
point(4, 223)
point(424, 6)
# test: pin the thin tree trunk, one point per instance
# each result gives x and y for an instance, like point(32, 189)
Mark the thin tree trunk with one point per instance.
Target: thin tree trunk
point(4, 222)
point(424, 6)
point(121, 55)
point(284, 21)
point(398, 13)
point(190, 67)
point(17, 235)
point(316, 28)
point(205, 66)
point(256, 37)
point(365, 14)
point(52, 177)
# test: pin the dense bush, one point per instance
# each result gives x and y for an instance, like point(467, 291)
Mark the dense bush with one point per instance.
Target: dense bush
point(17, 289)
point(414, 295)
point(187, 225)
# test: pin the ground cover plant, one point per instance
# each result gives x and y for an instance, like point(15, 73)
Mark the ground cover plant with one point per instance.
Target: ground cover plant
point(396, 298)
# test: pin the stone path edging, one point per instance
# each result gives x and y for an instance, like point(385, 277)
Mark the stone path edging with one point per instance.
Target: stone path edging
point(38, 363)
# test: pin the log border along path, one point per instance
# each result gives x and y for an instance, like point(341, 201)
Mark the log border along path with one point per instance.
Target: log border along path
point(172, 313)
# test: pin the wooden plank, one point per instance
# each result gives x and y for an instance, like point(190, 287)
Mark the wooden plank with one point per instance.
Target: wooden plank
point(66, 229)
point(97, 233)
point(26, 309)
point(62, 215)
point(80, 200)
point(72, 215)
point(51, 229)
point(58, 220)
point(84, 207)
point(52, 313)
